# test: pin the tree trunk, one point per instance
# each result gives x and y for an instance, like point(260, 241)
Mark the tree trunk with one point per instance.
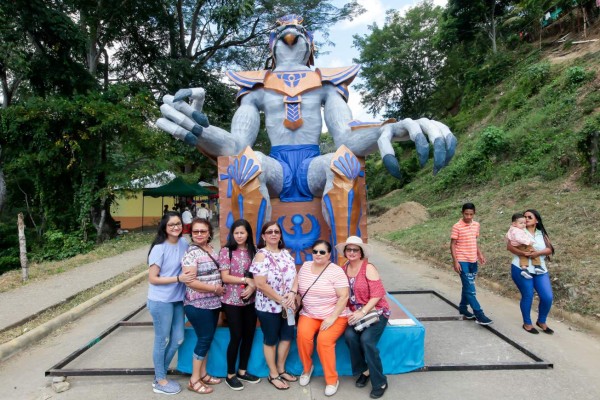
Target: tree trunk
point(23, 247)
point(594, 147)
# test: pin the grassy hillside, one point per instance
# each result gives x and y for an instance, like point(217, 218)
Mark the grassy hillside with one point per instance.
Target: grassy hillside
point(524, 142)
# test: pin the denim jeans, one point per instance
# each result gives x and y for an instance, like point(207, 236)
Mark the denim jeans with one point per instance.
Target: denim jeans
point(467, 277)
point(204, 323)
point(168, 334)
point(541, 284)
point(364, 353)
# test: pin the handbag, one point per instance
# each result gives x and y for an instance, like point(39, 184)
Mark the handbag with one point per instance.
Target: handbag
point(370, 318)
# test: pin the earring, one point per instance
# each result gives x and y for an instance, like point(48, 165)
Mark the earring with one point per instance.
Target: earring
point(280, 242)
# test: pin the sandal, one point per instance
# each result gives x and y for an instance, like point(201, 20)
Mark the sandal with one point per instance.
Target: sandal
point(210, 380)
point(199, 388)
point(291, 379)
point(277, 378)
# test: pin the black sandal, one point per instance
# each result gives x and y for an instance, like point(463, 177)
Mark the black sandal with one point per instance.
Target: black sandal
point(295, 379)
point(277, 378)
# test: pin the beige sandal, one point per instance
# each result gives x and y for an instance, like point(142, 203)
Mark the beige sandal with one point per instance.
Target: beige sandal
point(210, 380)
point(199, 387)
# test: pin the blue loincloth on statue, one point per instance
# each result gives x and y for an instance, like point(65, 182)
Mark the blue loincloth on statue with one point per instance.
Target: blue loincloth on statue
point(294, 160)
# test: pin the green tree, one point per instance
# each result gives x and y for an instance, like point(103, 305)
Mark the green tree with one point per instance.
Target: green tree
point(400, 62)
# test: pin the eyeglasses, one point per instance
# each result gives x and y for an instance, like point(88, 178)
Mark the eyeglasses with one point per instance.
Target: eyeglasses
point(529, 216)
point(177, 225)
point(353, 249)
point(200, 232)
point(321, 252)
point(272, 232)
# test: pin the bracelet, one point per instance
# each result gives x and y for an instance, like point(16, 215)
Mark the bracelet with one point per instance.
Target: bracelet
point(291, 291)
point(363, 311)
point(178, 281)
point(215, 291)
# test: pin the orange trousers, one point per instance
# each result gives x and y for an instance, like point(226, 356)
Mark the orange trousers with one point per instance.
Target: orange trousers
point(307, 329)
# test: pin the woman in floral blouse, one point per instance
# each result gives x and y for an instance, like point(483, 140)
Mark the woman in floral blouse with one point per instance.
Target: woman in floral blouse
point(238, 301)
point(275, 275)
point(202, 303)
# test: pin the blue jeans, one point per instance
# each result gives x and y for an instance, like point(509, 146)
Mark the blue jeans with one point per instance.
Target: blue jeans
point(168, 334)
point(274, 328)
point(541, 284)
point(364, 353)
point(204, 323)
point(467, 277)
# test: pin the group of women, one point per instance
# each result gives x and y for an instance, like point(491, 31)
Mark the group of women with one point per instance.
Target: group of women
point(249, 283)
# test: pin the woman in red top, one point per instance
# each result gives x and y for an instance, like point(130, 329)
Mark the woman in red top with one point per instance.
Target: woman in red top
point(366, 294)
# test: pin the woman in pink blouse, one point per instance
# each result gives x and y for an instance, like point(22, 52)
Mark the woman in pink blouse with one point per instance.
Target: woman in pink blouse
point(202, 303)
point(235, 259)
point(323, 287)
point(366, 294)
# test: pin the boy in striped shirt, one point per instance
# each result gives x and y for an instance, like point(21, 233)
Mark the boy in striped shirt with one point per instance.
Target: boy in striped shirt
point(465, 254)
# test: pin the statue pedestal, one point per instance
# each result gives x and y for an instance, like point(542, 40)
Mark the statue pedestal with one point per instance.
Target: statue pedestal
point(302, 222)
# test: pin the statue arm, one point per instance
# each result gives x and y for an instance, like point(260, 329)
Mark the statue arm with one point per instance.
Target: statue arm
point(188, 123)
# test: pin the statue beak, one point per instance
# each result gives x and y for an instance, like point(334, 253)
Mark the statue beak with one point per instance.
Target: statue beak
point(290, 38)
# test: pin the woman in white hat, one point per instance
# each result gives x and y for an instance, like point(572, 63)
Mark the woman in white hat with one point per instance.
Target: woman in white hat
point(367, 296)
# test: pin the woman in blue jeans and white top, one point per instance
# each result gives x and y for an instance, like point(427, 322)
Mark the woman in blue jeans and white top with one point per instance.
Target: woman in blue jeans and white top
point(541, 281)
point(202, 303)
point(165, 297)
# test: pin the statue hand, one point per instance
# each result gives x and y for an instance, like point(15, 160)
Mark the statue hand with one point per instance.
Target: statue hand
point(419, 131)
point(184, 121)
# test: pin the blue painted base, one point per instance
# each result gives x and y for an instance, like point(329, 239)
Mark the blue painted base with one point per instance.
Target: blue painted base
point(402, 349)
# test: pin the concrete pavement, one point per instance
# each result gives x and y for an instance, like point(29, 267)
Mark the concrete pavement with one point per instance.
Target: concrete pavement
point(575, 354)
point(22, 303)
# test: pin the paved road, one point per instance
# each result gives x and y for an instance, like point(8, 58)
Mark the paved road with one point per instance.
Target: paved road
point(575, 354)
point(37, 296)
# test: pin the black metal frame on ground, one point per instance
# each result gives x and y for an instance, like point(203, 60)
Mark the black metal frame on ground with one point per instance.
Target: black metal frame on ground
point(59, 370)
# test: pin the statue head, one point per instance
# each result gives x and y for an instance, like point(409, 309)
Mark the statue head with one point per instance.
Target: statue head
point(290, 42)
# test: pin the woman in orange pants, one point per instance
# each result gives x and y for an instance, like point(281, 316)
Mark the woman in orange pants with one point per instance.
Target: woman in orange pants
point(323, 287)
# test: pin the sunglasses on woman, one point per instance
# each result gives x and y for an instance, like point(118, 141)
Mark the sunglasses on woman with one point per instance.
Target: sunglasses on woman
point(321, 252)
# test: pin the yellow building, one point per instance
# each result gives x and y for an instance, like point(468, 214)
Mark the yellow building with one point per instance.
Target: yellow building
point(129, 206)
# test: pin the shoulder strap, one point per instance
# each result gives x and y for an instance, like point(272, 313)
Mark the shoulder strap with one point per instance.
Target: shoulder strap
point(315, 281)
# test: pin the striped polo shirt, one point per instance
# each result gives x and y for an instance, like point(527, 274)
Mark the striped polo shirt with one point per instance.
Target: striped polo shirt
point(466, 240)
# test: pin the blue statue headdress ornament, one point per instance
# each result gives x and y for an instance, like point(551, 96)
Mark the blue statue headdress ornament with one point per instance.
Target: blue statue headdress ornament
point(291, 20)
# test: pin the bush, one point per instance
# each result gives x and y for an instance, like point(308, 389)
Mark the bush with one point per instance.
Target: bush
point(493, 141)
point(534, 77)
point(575, 76)
point(58, 246)
point(9, 247)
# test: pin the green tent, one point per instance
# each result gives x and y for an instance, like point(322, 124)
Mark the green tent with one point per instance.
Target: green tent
point(178, 187)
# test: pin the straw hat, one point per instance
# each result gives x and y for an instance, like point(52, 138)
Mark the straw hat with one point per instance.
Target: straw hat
point(355, 240)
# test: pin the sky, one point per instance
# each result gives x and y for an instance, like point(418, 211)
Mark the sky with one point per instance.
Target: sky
point(341, 34)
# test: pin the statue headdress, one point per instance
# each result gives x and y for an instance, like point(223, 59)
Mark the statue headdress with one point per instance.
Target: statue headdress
point(296, 21)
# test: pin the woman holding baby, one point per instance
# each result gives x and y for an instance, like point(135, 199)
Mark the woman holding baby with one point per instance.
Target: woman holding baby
point(539, 280)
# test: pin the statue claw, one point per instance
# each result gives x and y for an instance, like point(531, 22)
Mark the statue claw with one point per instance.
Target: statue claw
point(182, 94)
point(422, 147)
point(392, 165)
point(439, 155)
point(200, 118)
point(451, 143)
point(197, 130)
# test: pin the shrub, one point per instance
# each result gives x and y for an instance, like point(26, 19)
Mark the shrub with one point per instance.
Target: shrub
point(492, 141)
point(534, 77)
point(58, 245)
point(575, 76)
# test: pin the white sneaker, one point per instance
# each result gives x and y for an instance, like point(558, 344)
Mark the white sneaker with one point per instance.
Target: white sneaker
point(330, 390)
point(305, 378)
